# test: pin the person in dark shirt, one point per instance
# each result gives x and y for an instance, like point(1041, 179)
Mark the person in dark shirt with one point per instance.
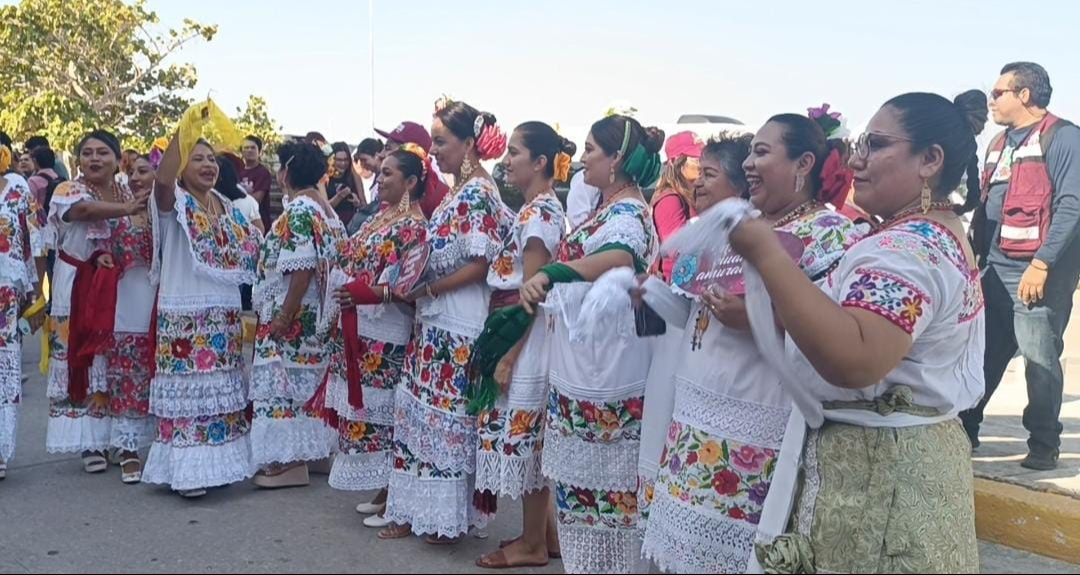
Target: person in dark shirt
point(344, 189)
point(256, 178)
point(1029, 299)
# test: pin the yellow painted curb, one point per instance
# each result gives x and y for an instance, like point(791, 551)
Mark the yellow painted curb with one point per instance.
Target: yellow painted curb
point(1035, 521)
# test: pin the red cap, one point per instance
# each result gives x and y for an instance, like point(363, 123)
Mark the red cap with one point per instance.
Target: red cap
point(683, 144)
point(409, 133)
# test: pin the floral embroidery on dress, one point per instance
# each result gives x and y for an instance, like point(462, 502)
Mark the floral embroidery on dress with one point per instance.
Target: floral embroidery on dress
point(200, 342)
point(129, 375)
point(442, 360)
point(200, 431)
point(574, 246)
point(727, 476)
point(370, 252)
point(470, 223)
point(596, 422)
point(543, 218)
point(228, 243)
point(596, 507)
point(826, 235)
point(19, 233)
point(898, 300)
point(513, 433)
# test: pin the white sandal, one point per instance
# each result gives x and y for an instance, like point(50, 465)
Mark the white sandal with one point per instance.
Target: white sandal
point(377, 522)
point(192, 493)
point(370, 508)
point(133, 477)
point(94, 462)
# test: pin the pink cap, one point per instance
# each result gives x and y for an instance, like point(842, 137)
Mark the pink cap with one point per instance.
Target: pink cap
point(683, 144)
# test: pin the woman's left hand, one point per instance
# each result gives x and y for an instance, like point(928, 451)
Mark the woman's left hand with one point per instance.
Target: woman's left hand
point(728, 309)
point(279, 326)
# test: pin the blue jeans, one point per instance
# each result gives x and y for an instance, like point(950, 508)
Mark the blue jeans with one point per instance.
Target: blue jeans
point(1037, 333)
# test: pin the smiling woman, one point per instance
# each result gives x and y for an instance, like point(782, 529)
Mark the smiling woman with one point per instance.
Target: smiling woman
point(207, 250)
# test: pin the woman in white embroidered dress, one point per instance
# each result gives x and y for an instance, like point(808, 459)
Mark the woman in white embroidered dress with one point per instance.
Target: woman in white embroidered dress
point(21, 251)
point(509, 459)
point(106, 403)
point(730, 411)
point(892, 348)
point(431, 487)
point(366, 365)
point(290, 344)
point(205, 250)
point(597, 386)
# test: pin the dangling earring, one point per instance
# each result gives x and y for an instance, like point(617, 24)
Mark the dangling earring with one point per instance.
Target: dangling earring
point(466, 169)
point(927, 197)
point(611, 176)
point(800, 181)
point(405, 203)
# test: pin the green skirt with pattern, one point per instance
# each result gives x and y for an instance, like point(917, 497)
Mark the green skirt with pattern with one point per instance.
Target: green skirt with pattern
point(882, 500)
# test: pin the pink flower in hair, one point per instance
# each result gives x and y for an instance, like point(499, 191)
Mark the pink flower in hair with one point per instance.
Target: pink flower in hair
point(492, 143)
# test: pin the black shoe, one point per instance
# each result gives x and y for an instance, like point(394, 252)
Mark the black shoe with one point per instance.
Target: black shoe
point(975, 443)
point(1041, 461)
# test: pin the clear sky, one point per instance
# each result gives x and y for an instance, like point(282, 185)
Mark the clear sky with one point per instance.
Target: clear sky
point(566, 61)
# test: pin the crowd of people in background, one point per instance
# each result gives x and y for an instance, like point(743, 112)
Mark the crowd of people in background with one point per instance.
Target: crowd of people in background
point(814, 411)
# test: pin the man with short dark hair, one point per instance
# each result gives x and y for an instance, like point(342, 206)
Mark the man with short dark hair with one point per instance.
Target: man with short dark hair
point(256, 178)
point(35, 142)
point(1025, 235)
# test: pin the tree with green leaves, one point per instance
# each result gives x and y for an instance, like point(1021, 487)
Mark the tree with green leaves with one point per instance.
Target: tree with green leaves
point(254, 119)
point(70, 67)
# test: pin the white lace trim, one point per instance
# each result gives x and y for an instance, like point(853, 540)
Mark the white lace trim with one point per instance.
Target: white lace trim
point(199, 467)
point(198, 394)
point(361, 471)
point(275, 287)
point(236, 277)
point(807, 503)
point(508, 476)
point(273, 380)
point(9, 425)
point(623, 229)
point(77, 434)
point(10, 374)
point(201, 303)
point(445, 440)
point(16, 272)
point(301, 438)
point(604, 466)
point(391, 325)
point(59, 378)
point(601, 550)
point(437, 313)
point(378, 408)
point(724, 416)
point(441, 507)
point(131, 434)
point(681, 539)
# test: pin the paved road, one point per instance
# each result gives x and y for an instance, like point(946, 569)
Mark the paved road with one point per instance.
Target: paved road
point(56, 519)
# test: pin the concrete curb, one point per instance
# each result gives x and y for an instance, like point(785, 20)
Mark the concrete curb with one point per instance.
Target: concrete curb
point(1041, 522)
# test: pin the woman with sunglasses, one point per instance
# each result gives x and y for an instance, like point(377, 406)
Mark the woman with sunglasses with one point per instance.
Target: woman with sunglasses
point(891, 347)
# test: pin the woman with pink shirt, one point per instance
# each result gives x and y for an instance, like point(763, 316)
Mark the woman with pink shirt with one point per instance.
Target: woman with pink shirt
point(673, 201)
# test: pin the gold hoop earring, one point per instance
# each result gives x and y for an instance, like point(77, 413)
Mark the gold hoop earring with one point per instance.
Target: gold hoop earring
point(927, 197)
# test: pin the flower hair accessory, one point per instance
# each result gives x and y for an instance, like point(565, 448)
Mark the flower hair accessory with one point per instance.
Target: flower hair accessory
point(834, 124)
point(443, 103)
point(491, 143)
point(427, 180)
point(562, 166)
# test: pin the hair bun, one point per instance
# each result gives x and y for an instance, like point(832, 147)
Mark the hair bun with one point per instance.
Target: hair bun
point(973, 107)
point(567, 147)
point(653, 140)
point(489, 118)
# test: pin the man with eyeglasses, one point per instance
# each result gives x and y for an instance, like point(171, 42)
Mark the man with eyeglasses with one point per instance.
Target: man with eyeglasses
point(1025, 234)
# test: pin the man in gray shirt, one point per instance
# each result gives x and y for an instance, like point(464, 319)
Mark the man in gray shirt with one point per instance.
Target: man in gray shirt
point(1029, 298)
